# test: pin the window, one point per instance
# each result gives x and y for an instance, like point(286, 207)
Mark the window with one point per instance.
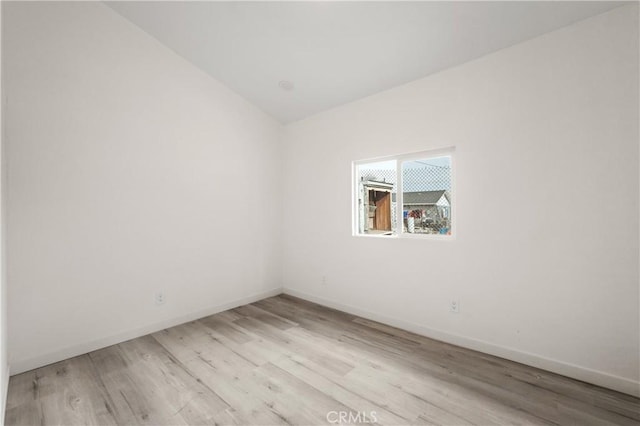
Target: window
point(404, 195)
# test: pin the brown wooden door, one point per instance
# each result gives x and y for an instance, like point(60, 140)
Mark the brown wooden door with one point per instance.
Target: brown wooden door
point(382, 218)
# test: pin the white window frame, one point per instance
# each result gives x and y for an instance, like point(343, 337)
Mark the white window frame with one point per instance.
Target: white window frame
point(400, 159)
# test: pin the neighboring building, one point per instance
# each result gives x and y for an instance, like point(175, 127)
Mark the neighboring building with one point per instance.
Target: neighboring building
point(432, 204)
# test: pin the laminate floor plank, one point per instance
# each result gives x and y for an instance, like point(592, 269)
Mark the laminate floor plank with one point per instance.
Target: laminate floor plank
point(332, 386)
point(256, 350)
point(67, 392)
point(159, 389)
point(226, 328)
point(290, 344)
point(286, 361)
point(294, 400)
point(267, 317)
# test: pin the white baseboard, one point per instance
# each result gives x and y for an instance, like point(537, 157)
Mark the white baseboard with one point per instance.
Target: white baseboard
point(595, 377)
point(21, 366)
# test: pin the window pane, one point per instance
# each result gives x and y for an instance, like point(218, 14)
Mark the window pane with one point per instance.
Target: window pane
point(426, 196)
point(376, 198)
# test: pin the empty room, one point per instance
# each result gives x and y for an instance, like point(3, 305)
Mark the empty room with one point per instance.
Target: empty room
point(320, 213)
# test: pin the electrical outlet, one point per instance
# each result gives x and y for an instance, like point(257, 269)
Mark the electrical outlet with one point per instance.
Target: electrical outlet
point(454, 306)
point(159, 298)
point(324, 280)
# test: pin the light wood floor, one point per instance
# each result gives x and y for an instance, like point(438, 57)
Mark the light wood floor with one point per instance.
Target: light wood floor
point(286, 361)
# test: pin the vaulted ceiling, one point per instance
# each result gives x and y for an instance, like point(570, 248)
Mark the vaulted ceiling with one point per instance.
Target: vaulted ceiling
point(294, 59)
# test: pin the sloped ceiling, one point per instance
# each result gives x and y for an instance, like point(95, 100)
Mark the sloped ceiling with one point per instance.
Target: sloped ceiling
point(332, 53)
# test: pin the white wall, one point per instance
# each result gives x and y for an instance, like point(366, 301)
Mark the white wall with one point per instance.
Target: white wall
point(130, 171)
point(545, 266)
point(4, 365)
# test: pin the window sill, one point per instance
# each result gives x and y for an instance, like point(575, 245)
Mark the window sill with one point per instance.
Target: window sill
point(408, 236)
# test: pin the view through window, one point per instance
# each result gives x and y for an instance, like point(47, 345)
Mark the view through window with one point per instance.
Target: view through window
point(425, 185)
